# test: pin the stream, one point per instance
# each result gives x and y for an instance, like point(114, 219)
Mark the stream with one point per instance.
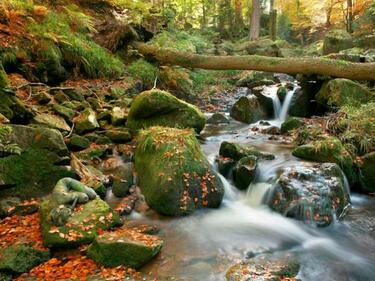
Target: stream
point(204, 245)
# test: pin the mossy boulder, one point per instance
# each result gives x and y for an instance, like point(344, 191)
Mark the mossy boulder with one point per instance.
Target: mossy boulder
point(65, 112)
point(266, 267)
point(174, 174)
point(118, 116)
point(81, 227)
point(159, 108)
point(39, 164)
point(218, 118)
point(51, 121)
point(123, 180)
point(119, 135)
point(77, 143)
point(248, 110)
point(128, 247)
point(337, 40)
point(21, 258)
point(236, 151)
point(340, 92)
point(86, 121)
point(290, 124)
point(315, 194)
point(329, 150)
point(12, 108)
point(244, 172)
point(257, 78)
point(367, 172)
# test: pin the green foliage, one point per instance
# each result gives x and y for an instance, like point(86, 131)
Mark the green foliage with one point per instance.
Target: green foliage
point(144, 71)
point(284, 27)
point(6, 147)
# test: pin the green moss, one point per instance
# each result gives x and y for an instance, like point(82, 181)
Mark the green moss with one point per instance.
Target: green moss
point(174, 175)
point(12, 108)
point(85, 224)
point(236, 151)
point(4, 81)
point(290, 124)
point(157, 107)
point(144, 71)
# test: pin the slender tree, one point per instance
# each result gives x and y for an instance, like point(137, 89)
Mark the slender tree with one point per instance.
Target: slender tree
point(273, 20)
point(255, 20)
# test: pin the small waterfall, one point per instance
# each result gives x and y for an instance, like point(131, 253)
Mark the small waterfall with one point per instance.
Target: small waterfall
point(286, 105)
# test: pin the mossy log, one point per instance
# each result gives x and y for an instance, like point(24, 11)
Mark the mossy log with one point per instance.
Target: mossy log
point(307, 66)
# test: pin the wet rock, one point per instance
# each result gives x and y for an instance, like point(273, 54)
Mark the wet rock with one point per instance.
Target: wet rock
point(21, 258)
point(156, 107)
point(236, 151)
point(45, 149)
point(248, 110)
point(51, 121)
point(119, 135)
point(329, 150)
point(127, 246)
point(290, 124)
point(13, 109)
point(118, 116)
point(81, 227)
point(86, 121)
point(339, 92)
point(65, 112)
point(367, 172)
point(244, 172)
point(256, 78)
point(337, 40)
point(218, 118)
point(315, 194)
point(77, 143)
point(265, 268)
point(174, 174)
point(265, 101)
point(123, 180)
point(272, 130)
point(301, 104)
point(225, 165)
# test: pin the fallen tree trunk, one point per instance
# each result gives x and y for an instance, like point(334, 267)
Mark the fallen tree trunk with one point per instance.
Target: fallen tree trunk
point(321, 66)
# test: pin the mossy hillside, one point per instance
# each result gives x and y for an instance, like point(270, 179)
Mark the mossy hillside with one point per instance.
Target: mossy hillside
point(341, 92)
point(174, 175)
point(81, 228)
point(159, 108)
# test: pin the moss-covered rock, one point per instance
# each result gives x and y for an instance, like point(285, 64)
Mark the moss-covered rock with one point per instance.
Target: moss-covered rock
point(12, 108)
point(77, 143)
point(51, 121)
point(126, 247)
point(174, 175)
point(120, 135)
point(257, 78)
point(248, 110)
point(65, 112)
point(4, 81)
point(21, 258)
point(158, 108)
point(268, 267)
point(244, 172)
point(290, 124)
point(118, 116)
point(123, 180)
point(367, 172)
point(337, 40)
point(330, 150)
point(82, 226)
point(218, 118)
point(86, 121)
point(236, 151)
point(340, 92)
point(314, 194)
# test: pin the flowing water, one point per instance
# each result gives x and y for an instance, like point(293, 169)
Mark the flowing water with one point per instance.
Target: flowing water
point(204, 245)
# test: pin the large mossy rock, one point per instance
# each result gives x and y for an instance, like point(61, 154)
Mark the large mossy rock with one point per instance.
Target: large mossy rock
point(337, 40)
point(330, 150)
point(81, 227)
point(127, 247)
point(174, 174)
point(290, 124)
point(248, 110)
point(340, 92)
point(315, 194)
point(367, 172)
point(21, 258)
point(37, 164)
point(237, 151)
point(51, 121)
point(86, 121)
point(159, 108)
point(12, 108)
point(267, 267)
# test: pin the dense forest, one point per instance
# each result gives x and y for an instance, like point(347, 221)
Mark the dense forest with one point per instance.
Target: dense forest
point(186, 140)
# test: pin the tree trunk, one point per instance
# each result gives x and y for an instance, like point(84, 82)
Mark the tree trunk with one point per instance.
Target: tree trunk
point(273, 21)
point(255, 20)
point(349, 23)
point(321, 66)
